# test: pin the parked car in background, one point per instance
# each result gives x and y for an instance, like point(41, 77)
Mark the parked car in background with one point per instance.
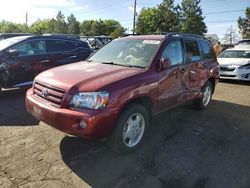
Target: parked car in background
point(22, 58)
point(243, 42)
point(117, 90)
point(97, 42)
point(9, 35)
point(235, 63)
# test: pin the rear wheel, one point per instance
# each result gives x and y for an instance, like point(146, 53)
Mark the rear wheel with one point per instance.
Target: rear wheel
point(131, 129)
point(207, 91)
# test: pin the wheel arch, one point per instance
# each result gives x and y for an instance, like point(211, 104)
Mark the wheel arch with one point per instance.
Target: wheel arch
point(145, 101)
point(212, 80)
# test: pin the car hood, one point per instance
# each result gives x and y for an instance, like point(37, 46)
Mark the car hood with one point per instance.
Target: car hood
point(233, 61)
point(85, 76)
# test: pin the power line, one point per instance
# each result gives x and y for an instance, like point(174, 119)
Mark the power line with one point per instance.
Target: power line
point(220, 21)
point(222, 12)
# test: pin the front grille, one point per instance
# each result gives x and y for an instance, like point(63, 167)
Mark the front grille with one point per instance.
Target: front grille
point(53, 95)
point(231, 76)
point(227, 68)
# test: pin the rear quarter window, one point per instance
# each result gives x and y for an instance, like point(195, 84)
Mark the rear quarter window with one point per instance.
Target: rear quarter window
point(192, 51)
point(207, 51)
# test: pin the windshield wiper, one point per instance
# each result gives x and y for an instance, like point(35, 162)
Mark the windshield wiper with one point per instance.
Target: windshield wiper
point(137, 66)
point(123, 65)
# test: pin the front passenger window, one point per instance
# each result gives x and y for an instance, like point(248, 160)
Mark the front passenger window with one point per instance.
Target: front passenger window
point(31, 48)
point(173, 52)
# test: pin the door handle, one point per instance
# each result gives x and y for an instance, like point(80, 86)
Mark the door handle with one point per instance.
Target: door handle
point(72, 57)
point(45, 61)
point(182, 69)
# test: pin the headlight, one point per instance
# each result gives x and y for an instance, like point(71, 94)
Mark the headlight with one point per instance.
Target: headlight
point(245, 66)
point(90, 100)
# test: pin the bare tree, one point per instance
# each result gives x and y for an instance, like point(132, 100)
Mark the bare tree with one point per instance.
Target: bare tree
point(230, 36)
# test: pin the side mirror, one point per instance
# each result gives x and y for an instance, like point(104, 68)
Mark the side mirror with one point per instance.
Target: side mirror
point(14, 53)
point(164, 63)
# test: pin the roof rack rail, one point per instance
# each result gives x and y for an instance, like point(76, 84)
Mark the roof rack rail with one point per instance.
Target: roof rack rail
point(171, 34)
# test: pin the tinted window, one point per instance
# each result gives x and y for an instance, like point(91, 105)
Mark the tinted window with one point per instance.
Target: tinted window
point(173, 52)
point(192, 51)
point(60, 46)
point(81, 45)
point(31, 48)
point(207, 50)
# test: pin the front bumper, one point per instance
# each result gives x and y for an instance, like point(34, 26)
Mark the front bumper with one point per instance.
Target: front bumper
point(237, 74)
point(99, 123)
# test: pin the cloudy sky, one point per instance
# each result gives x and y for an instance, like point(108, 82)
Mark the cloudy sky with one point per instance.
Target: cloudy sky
point(220, 14)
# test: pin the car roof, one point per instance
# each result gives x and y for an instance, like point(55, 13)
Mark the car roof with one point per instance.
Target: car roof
point(239, 47)
point(55, 37)
point(145, 37)
point(162, 37)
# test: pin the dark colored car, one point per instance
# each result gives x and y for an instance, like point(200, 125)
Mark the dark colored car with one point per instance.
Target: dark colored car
point(243, 42)
point(97, 42)
point(22, 58)
point(117, 90)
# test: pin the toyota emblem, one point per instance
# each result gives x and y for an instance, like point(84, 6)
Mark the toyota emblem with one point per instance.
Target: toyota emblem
point(45, 93)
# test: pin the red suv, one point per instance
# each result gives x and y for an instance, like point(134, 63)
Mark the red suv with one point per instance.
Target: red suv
point(117, 90)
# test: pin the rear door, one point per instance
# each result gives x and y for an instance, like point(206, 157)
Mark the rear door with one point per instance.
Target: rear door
point(195, 66)
point(65, 52)
point(172, 81)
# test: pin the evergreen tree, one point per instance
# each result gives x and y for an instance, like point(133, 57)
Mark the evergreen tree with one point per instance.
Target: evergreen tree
point(244, 24)
point(193, 21)
point(60, 24)
point(168, 17)
point(73, 25)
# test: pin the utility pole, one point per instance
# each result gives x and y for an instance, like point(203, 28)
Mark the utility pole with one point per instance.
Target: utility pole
point(26, 20)
point(134, 17)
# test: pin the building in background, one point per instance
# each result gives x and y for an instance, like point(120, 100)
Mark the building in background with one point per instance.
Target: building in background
point(213, 38)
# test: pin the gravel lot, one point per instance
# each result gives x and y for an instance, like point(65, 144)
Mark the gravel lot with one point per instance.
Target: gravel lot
point(186, 149)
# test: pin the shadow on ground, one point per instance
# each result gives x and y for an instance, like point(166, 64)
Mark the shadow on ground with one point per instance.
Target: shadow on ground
point(12, 109)
point(186, 149)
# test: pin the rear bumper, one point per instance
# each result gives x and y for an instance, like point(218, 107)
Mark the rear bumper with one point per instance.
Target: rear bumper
point(99, 122)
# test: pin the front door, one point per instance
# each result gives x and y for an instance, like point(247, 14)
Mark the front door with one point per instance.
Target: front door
point(172, 81)
point(27, 64)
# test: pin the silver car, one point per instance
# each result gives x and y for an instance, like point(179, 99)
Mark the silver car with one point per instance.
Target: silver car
point(235, 63)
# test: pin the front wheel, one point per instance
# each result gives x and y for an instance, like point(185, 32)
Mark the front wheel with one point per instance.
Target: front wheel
point(1, 89)
point(131, 129)
point(207, 91)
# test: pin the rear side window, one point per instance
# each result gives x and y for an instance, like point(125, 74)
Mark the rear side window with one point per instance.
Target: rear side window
point(207, 52)
point(192, 51)
point(60, 46)
point(82, 45)
point(173, 52)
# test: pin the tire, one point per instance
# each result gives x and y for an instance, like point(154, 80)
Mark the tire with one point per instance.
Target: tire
point(131, 129)
point(207, 92)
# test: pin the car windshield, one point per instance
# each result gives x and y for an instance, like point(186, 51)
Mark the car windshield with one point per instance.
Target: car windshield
point(127, 52)
point(235, 54)
point(10, 41)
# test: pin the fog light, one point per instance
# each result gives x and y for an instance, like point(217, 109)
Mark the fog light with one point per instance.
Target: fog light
point(82, 124)
point(245, 75)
